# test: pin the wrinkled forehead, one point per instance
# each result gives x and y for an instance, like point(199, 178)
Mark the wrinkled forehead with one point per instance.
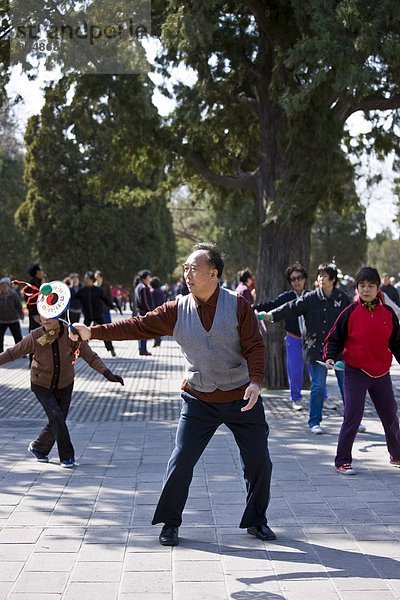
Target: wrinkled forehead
point(197, 259)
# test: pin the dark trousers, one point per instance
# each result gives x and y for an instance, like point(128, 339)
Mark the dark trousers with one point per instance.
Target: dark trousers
point(356, 385)
point(99, 321)
point(197, 424)
point(15, 329)
point(142, 346)
point(56, 406)
point(74, 315)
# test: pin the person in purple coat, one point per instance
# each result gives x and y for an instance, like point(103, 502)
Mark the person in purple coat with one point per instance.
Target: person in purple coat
point(243, 288)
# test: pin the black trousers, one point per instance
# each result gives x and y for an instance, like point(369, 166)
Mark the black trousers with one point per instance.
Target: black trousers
point(15, 329)
point(99, 321)
point(56, 404)
point(197, 424)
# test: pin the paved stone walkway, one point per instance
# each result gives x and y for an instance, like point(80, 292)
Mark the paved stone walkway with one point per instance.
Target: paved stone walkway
point(86, 533)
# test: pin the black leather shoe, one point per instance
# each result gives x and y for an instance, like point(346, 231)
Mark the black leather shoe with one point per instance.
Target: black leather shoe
point(145, 353)
point(169, 536)
point(262, 532)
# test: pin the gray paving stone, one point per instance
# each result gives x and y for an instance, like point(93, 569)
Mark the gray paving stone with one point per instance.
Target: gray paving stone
point(133, 596)
point(196, 551)
point(97, 572)
point(17, 552)
point(9, 571)
point(200, 591)
point(199, 571)
point(18, 535)
point(92, 591)
point(41, 582)
point(58, 561)
point(100, 513)
point(367, 595)
point(35, 596)
point(102, 552)
point(146, 582)
point(250, 560)
point(148, 561)
point(360, 584)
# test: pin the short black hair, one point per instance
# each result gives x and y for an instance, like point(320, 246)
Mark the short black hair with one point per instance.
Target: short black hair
point(155, 282)
point(214, 256)
point(143, 274)
point(298, 267)
point(244, 275)
point(368, 274)
point(330, 269)
point(90, 275)
point(33, 269)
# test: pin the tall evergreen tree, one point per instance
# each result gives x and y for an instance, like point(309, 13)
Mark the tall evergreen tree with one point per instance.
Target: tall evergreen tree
point(93, 179)
point(274, 85)
point(14, 244)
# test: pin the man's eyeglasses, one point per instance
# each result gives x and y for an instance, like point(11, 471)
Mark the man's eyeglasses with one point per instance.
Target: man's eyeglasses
point(297, 278)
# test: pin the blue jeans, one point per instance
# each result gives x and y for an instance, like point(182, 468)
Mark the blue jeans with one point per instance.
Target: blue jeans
point(294, 366)
point(317, 393)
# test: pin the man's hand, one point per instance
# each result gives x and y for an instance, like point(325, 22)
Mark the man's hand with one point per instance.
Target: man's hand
point(330, 363)
point(251, 394)
point(83, 332)
point(112, 377)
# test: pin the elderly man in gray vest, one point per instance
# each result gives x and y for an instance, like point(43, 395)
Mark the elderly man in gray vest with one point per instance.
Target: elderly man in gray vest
point(224, 352)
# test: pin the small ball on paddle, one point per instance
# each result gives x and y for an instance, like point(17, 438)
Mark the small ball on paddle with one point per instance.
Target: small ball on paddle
point(339, 364)
point(45, 289)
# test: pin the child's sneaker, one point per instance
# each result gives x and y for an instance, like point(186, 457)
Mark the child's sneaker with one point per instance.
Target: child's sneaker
point(39, 457)
point(68, 463)
point(346, 469)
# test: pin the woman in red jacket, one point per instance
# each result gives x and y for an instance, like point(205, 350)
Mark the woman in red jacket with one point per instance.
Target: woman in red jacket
point(367, 333)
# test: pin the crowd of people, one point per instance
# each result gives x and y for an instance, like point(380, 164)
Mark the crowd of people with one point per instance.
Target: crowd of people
point(339, 322)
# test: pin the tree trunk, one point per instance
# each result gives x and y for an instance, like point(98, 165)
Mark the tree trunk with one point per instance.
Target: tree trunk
point(280, 244)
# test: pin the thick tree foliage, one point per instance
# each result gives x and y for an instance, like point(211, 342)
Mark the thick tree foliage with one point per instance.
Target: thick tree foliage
point(5, 26)
point(14, 245)
point(340, 236)
point(384, 252)
point(275, 84)
point(93, 175)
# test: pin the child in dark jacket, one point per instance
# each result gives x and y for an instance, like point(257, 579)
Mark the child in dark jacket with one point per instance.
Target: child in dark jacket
point(367, 333)
point(52, 381)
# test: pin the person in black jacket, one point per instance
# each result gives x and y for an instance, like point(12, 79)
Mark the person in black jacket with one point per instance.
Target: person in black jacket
point(389, 289)
point(320, 309)
point(75, 307)
point(92, 299)
point(296, 276)
point(37, 278)
point(144, 302)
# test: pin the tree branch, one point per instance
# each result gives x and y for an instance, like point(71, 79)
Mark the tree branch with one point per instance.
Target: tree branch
point(372, 102)
point(266, 25)
point(231, 182)
point(249, 102)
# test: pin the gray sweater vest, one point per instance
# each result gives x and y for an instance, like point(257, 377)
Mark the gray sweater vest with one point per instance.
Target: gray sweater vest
point(213, 358)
